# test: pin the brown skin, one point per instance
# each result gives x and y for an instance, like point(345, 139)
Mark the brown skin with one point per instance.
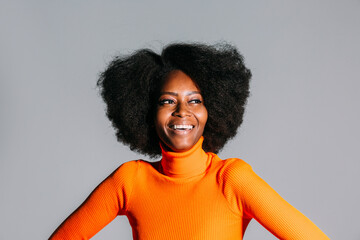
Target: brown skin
point(180, 106)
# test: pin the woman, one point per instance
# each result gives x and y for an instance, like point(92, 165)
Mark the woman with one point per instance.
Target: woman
point(184, 104)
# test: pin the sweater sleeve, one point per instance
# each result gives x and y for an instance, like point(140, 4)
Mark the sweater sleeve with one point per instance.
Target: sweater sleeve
point(252, 196)
point(109, 199)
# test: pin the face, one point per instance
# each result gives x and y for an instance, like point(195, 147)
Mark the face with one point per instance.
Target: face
point(181, 115)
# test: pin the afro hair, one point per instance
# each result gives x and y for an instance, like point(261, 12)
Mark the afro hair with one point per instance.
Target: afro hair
point(130, 87)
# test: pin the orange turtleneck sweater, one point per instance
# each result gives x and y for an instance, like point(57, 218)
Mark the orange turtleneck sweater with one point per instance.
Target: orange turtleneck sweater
point(187, 195)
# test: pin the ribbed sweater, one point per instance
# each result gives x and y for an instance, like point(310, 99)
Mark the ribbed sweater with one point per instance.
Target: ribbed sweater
point(187, 195)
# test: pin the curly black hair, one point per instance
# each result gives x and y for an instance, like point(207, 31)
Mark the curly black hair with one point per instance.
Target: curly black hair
point(130, 87)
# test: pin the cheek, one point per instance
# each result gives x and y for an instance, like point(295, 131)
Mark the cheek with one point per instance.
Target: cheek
point(203, 116)
point(160, 119)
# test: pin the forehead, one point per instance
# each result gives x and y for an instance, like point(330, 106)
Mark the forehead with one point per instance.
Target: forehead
point(178, 81)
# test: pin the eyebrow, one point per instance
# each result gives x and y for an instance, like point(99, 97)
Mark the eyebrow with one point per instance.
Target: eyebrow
point(176, 94)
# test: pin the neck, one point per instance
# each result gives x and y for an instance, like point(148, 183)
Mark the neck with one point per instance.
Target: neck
point(185, 164)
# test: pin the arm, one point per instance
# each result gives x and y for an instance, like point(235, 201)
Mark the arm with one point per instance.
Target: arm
point(108, 200)
point(259, 201)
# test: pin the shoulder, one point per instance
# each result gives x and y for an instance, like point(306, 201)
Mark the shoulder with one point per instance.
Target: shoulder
point(126, 173)
point(132, 169)
point(235, 166)
point(236, 171)
point(126, 168)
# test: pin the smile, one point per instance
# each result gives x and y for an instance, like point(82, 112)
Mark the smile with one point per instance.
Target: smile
point(181, 127)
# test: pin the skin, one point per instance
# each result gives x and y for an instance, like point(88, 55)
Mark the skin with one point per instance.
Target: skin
point(181, 114)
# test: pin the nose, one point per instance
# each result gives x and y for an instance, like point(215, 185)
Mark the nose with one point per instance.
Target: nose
point(181, 110)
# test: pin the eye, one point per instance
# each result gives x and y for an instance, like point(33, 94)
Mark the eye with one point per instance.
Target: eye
point(195, 101)
point(165, 101)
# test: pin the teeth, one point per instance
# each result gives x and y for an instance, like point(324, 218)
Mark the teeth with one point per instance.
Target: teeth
point(182, 127)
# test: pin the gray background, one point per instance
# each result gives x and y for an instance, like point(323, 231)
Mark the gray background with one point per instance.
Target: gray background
point(300, 132)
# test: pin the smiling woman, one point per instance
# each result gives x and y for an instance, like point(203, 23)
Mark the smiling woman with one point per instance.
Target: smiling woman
point(190, 100)
point(218, 71)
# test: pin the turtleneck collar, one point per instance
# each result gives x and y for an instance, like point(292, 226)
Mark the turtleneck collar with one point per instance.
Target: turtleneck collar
point(186, 164)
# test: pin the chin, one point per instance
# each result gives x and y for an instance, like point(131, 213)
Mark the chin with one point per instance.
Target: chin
point(182, 146)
